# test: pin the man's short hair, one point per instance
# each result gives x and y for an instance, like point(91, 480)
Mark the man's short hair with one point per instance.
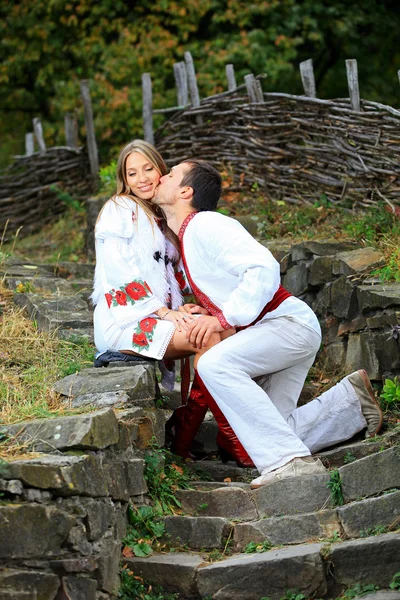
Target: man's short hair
point(206, 183)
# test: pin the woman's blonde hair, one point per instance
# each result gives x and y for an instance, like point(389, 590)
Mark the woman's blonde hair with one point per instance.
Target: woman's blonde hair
point(154, 157)
point(123, 189)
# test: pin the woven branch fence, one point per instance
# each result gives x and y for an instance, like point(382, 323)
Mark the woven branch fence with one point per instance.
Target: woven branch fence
point(294, 148)
point(31, 187)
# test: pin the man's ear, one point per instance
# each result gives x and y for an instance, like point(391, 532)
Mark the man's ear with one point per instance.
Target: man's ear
point(186, 192)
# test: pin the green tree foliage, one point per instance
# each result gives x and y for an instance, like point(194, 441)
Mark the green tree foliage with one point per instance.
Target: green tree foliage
point(48, 46)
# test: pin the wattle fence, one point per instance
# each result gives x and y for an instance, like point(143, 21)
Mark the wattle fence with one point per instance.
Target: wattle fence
point(293, 148)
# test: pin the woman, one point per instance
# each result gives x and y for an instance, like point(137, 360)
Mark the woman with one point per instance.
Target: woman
point(136, 291)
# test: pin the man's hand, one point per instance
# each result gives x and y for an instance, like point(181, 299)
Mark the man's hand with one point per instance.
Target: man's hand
point(200, 331)
point(193, 309)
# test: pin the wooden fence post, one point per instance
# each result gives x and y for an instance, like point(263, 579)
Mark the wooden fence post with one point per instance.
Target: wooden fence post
point(71, 130)
point(181, 83)
point(147, 99)
point(230, 75)
point(192, 85)
point(307, 78)
point(38, 129)
point(254, 89)
point(90, 133)
point(29, 144)
point(352, 80)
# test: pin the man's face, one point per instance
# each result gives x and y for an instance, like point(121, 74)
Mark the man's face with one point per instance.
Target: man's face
point(167, 192)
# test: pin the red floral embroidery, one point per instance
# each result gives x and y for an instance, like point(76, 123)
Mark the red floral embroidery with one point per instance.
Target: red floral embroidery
point(136, 290)
point(120, 298)
point(180, 279)
point(139, 339)
point(148, 324)
point(143, 334)
point(128, 292)
point(109, 299)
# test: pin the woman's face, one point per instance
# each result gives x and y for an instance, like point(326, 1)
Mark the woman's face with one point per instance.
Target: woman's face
point(141, 176)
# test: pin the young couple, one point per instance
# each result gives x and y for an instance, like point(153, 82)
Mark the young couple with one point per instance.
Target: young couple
point(253, 342)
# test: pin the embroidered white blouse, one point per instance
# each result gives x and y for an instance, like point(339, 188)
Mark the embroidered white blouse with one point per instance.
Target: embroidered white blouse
point(236, 273)
point(134, 277)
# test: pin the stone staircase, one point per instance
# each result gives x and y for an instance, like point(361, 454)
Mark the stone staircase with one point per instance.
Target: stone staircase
point(315, 547)
point(68, 499)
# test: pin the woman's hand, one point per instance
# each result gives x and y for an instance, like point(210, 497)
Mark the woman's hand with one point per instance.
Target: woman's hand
point(192, 309)
point(181, 319)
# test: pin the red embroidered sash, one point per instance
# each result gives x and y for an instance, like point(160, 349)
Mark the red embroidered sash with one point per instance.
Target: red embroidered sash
point(280, 295)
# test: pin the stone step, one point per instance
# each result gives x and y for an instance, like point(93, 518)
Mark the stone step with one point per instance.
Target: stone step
point(55, 312)
point(197, 533)
point(354, 520)
point(122, 383)
point(298, 495)
point(133, 428)
point(314, 570)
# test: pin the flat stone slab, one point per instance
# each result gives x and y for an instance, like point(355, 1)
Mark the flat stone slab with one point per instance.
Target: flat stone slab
point(293, 529)
point(55, 313)
point(101, 400)
point(197, 532)
point(137, 381)
point(271, 574)
point(382, 595)
point(67, 474)
point(371, 475)
point(359, 518)
point(218, 471)
point(296, 495)
point(40, 284)
point(227, 502)
point(91, 431)
point(378, 296)
point(174, 572)
point(337, 457)
point(72, 335)
point(21, 584)
point(357, 261)
point(39, 530)
point(373, 560)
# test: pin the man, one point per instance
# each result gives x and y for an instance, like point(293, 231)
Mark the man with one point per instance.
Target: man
point(256, 375)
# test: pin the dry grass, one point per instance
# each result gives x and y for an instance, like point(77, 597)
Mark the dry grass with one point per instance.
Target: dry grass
point(30, 362)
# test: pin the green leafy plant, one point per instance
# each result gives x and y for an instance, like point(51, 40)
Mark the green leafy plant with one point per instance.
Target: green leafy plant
point(335, 485)
point(377, 530)
point(358, 590)
point(164, 477)
point(391, 271)
point(258, 547)
point(293, 595)
point(108, 178)
point(390, 395)
point(66, 198)
point(145, 527)
point(349, 458)
point(395, 585)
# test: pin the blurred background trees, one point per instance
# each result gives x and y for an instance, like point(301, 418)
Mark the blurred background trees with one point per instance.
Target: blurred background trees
point(48, 46)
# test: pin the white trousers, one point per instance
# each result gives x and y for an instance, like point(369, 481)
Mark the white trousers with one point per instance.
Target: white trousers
point(256, 377)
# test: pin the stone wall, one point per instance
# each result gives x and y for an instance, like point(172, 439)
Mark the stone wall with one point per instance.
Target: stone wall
point(63, 510)
point(359, 315)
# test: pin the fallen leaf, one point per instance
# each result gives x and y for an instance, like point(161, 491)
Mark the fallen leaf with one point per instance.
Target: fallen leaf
point(127, 552)
point(228, 480)
point(177, 468)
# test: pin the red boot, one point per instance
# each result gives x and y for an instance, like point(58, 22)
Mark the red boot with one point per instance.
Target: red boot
point(228, 444)
point(186, 420)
